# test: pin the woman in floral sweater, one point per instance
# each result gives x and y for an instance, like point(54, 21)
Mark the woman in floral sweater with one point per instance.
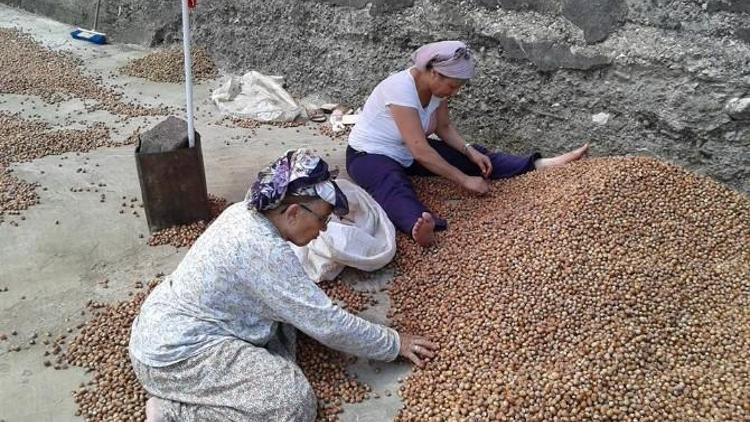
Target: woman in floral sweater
point(215, 341)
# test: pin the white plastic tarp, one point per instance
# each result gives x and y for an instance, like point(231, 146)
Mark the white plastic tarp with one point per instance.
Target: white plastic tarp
point(256, 96)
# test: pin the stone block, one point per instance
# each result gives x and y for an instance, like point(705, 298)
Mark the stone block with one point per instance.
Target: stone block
point(743, 34)
point(169, 135)
point(597, 18)
point(380, 7)
point(549, 56)
point(737, 6)
point(738, 108)
point(355, 4)
point(551, 7)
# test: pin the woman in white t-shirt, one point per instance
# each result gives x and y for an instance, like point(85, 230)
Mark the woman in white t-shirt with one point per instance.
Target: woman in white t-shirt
point(390, 141)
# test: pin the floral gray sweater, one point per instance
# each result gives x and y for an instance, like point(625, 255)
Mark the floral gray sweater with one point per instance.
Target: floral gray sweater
point(241, 279)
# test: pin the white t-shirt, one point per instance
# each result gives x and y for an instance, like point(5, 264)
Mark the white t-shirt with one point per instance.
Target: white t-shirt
point(376, 131)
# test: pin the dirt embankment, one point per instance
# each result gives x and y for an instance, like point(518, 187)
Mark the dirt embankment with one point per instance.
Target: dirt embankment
point(658, 75)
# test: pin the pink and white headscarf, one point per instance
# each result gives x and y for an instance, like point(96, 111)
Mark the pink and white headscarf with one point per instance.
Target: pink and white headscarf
point(449, 58)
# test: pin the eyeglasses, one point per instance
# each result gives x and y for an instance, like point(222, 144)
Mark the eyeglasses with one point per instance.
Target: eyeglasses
point(324, 220)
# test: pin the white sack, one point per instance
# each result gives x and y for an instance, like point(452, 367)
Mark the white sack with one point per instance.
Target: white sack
point(256, 96)
point(367, 242)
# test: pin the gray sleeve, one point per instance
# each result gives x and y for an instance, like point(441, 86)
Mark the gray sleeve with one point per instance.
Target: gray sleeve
point(290, 296)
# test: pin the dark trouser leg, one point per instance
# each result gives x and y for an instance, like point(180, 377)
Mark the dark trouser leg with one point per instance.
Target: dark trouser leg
point(387, 182)
point(503, 165)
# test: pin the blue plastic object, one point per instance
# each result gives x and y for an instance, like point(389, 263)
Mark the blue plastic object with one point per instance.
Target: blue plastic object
point(90, 36)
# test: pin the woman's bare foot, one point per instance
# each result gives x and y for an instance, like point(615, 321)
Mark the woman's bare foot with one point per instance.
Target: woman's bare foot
point(153, 410)
point(424, 230)
point(563, 159)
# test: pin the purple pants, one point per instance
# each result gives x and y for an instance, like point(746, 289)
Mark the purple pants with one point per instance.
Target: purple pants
point(388, 182)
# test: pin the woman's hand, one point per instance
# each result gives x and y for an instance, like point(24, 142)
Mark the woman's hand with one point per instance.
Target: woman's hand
point(475, 184)
point(482, 161)
point(416, 348)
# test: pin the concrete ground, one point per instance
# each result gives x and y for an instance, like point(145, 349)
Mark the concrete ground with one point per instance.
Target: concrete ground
point(51, 270)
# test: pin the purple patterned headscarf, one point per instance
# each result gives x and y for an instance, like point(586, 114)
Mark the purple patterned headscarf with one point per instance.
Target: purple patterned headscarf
point(449, 58)
point(298, 173)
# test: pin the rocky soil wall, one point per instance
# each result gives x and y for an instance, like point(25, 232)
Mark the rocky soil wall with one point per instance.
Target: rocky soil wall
point(669, 78)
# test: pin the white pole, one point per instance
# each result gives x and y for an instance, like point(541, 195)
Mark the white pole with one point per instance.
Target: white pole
point(188, 71)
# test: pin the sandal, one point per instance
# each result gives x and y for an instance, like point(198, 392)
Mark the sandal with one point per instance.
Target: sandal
point(316, 115)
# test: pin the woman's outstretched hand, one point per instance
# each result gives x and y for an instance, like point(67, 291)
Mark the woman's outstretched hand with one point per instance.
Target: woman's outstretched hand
point(482, 161)
point(416, 348)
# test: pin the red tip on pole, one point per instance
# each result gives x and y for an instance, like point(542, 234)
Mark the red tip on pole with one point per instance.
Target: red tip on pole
point(192, 3)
